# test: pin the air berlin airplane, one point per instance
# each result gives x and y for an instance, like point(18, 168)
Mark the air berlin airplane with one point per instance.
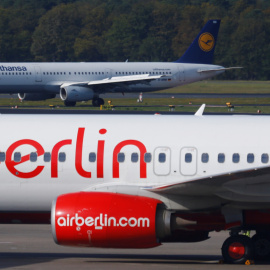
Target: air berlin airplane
point(137, 181)
point(86, 81)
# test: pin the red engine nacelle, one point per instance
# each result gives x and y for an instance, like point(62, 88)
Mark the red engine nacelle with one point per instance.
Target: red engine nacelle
point(100, 219)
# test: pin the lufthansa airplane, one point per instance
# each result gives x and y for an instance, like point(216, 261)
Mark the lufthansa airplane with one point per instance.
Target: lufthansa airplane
point(133, 181)
point(86, 81)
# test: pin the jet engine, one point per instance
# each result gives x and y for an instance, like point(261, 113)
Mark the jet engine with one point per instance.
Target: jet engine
point(35, 96)
point(97, 219)
point(76, 93)
point(112, 220)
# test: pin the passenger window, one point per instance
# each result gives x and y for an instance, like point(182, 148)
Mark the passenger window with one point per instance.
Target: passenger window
point(121, 157)
point(2, 156)
point(188, 157)
point(250, 158)
point(47, 157)
point(134, 157)
point(62, 157)
point(147, 157)
point(33, 157)
point(205, 158)
point(92, 157)
point(17, 156)
point(162, 157)
point(221, 158)
point(236, 158)
point(265, 158)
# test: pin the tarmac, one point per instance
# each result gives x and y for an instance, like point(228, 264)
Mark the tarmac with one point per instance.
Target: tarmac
point(32, 247)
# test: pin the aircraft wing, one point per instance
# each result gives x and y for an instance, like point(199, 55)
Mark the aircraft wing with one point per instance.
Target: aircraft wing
point(123, 81)
point(241, 186)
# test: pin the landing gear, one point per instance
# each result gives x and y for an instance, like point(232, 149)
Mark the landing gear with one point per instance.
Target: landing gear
point(261, 242)
point(237, 249)
point(70, 103)
point(97, 102)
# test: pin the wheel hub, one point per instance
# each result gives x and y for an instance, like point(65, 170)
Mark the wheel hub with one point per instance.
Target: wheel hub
point(236, 250)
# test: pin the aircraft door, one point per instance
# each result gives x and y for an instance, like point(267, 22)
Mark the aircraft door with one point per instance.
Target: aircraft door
point(181, 74)
point(188, 161)
point(162, 161)
point(38, 74)
point(108, 73)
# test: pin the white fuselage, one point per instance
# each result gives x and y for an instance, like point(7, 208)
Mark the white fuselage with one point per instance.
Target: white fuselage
point(182, 148)
point(48, 77)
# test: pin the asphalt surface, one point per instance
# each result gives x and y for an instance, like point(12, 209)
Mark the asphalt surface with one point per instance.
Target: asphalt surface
point(169, 95)
point(32, 247)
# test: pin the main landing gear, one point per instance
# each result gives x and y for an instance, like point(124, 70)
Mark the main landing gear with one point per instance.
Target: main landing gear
point(70, 103)
point(238, 249)
point(97, 101)
point(261, 242)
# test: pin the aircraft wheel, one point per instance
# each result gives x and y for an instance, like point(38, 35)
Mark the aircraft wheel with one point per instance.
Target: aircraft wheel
point(70, 103)
point(261, 243)
point(97, 102)
point(101, 101)
point(237, 249)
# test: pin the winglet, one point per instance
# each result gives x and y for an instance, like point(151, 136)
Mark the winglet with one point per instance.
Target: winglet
point(200, 111)
point(201, 50)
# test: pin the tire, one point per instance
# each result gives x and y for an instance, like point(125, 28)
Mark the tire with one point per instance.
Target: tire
point(101, 101)
point(261, 244)
point(70, 103)
point(237, 249)
point(97, 102)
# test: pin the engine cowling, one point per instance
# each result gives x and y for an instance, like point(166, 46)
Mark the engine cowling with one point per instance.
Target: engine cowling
point(76, 93)
point(97, 219)
point(35, 96)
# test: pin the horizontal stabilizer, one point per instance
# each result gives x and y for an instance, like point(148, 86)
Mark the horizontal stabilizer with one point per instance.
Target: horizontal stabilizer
point(217, 69)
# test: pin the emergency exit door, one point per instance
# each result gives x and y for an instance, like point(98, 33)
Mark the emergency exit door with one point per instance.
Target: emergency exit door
point(188, 161)
point(38, 74)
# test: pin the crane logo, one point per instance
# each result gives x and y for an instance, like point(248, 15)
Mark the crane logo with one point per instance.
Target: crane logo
point(206, 42)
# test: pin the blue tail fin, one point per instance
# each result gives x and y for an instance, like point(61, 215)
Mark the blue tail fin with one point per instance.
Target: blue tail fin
point(201, 50)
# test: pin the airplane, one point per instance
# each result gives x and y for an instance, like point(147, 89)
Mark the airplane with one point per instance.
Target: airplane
point(137, 181)
point(86, 81)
